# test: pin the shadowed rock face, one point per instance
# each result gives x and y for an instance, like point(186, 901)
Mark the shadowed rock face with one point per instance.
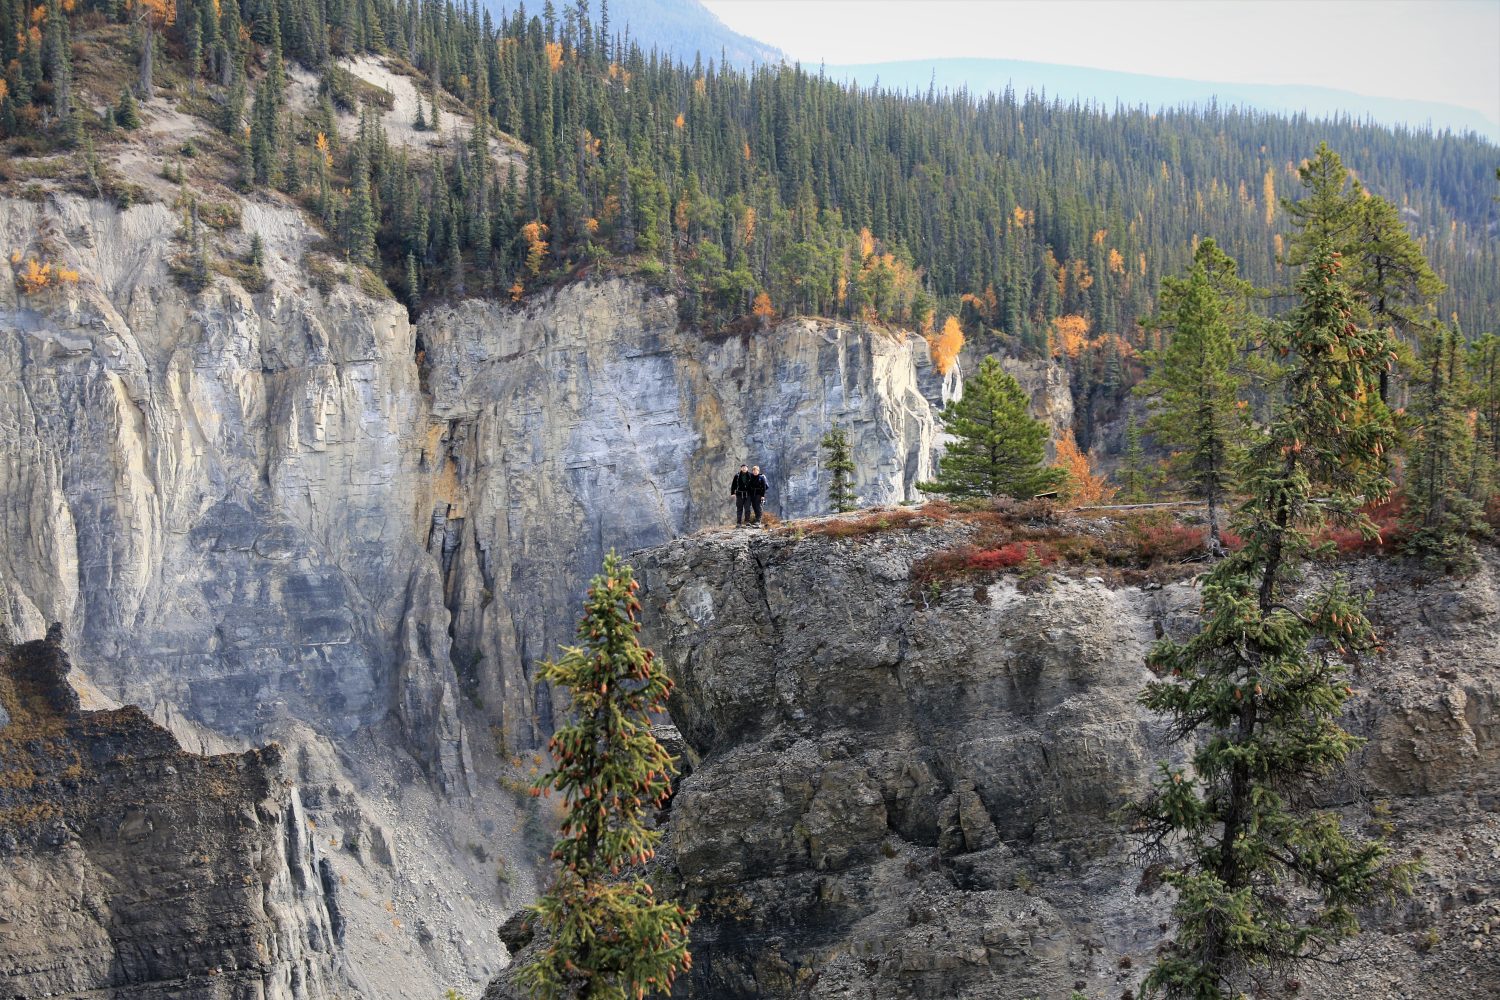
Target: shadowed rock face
point(903, 795)
point(131, 869)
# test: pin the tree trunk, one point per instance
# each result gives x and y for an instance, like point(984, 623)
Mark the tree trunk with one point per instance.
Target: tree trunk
point(148, 50)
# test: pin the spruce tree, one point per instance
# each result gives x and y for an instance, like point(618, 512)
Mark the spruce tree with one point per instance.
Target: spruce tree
point(1136, 481)
point(607, 936)
point(57, 60)
point(839, 463)
point(126, 114)
point(1328, 211)
point(999, 446)
point(1442, 518)
point(1484, 399)
point(413, 284)
point(1262, 878)
point(360, 222)
point(1196, 411)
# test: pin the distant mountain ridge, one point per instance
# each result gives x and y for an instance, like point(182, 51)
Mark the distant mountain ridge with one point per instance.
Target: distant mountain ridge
point(682, 28)
point(686, 29)
point(1108, 87)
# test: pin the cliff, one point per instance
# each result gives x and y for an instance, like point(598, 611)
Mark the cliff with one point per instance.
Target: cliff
point(908, 791)
point(286, 513)
point(129, 868)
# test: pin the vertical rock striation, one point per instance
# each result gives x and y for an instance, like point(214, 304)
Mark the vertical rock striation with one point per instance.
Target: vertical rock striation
point(593, 421)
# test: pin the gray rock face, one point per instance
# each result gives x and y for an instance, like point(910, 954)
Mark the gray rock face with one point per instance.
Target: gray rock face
point(593, 422)
point(903, 797)
point(260, 518)
point(132, 869)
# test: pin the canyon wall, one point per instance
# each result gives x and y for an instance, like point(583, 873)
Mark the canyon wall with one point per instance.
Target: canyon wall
point(910, 792)
point(289, 514)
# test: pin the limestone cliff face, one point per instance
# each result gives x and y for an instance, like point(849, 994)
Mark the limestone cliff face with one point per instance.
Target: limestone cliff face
point(131, 869)
point(593, 421)
point(909, 794)
point(292, 516)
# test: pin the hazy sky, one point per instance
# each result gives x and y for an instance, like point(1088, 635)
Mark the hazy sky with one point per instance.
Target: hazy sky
point(1436, 50)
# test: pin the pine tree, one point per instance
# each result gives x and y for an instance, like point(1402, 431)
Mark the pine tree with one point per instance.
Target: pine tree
point(1261, 877)
point(1196, 394)
point(126, 114)
point(1442, 517)
point(199, 275)
point(840, 465)
point(413, 284)
point(607, 935)
point(1329, 210)
point(1000, 447)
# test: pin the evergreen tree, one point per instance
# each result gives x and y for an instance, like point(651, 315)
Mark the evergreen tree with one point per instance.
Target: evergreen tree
point(57, 60)
point(1197, 410)
point(198, 276)
point(1328, 212)
point(608, 937)
point(1484, 399)
point(840, 466)
point(413, 284)
point(999, 446)
point(1442, 517)
point(359, 221)
point(1262, 878)
point(126, 114)
point(1136, 480)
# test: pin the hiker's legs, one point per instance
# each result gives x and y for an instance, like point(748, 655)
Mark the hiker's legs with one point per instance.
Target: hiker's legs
point(756, 502)
point(741, 509)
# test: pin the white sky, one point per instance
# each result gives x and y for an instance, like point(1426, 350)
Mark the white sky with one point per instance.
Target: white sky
point(1435, 50)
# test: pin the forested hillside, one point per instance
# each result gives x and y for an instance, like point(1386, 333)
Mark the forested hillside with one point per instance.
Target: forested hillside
point(1039, 226)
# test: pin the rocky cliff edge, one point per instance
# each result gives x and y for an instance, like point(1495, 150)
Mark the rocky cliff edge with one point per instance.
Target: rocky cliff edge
point(129, 868)
point(908, 792)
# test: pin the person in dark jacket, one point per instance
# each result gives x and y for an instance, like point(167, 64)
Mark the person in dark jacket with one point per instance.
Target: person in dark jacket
point(758, 490)
point(742, 488)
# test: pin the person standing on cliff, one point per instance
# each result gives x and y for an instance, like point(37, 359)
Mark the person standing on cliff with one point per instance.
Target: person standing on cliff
point(758, 490)
point(742, 488)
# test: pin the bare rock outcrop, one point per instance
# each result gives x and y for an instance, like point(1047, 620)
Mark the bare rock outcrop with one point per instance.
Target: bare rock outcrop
point(907, 793)
point(129, 868)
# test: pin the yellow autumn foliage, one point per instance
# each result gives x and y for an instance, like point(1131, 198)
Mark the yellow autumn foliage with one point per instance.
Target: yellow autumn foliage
point(944, 347)
point(762, 309)
point(1083, 486)
point(36, 275)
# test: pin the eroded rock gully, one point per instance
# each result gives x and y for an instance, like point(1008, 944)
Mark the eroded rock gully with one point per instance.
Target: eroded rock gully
point(904, 797)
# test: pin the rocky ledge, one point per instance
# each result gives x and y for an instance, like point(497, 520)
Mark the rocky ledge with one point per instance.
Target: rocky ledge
point(910, 793)
point(129, 868)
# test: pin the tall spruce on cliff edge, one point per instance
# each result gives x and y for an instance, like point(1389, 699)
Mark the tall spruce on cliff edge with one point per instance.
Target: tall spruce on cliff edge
point(1484, 398)
point(1391, 283)
point(1263, 878)
point(607, 937)
point(999, 446)
point(1196, 411)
